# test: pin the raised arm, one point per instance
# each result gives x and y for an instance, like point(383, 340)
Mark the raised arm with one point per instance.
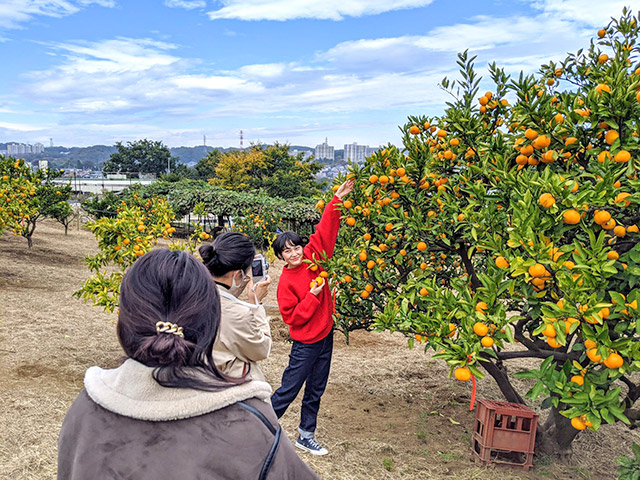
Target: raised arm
point(324, 238)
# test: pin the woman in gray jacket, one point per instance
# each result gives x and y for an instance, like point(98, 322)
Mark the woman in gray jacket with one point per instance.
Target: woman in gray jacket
point(245, 334)
point(167, 412)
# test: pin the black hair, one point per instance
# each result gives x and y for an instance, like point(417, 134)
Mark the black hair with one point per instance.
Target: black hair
point(229, 251)
point(285, 240)
point(172, 286)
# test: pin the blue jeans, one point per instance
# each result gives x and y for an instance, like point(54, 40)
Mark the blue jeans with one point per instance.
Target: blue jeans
point(310, 363)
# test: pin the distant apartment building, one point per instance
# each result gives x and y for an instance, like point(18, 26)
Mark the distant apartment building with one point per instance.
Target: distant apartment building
point(356, 153)
point(325, 151)
point(22, 148)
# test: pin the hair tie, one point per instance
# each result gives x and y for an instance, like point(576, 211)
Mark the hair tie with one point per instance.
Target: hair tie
point(168, 327)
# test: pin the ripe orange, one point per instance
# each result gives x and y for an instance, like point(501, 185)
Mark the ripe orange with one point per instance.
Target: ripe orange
point(601, 217)
point(593, 355)
point(619, 231)
point(401, 172)
point(603, 58)
point(577, 423)
point(347, 204)
point(480, 329)
point(348, 279)
point(601, 33)
point(549, 331)
point(633, 229)
point(351, 221)
point(462, 373)
point(367, 236)
point(373, 179)
point(541, 142)
point(614, 360)
point(589, 344)
point(371, 264)
point(571, 217)
point(424, 292)
point(414, 130)
point(481, 307)
point(364, 294)
point(383, 179)
point(579, 379)
point(603, 87)
point(538, 270)
point(547, 200)
point(553, 343)
point(363, 255)
point(531, 134)
point(622, 198)
point(613, 255)
point(388, 227)
point(422, 246)
point(487, 342)
point(502, 262)
point(611, 136)
point(622, 156)
point(441, 133)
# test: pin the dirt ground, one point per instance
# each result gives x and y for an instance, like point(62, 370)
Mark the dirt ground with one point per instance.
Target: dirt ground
point(388, 412)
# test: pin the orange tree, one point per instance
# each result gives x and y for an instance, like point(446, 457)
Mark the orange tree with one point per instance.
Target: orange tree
point(135, 229)
point(507, 229)
point(28, 196)
point(17, 188)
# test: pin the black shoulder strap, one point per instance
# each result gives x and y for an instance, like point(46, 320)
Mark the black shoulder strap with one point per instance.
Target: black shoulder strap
point(268, 461)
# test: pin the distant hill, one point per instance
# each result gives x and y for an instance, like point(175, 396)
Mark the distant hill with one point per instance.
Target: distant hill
point(93, 157)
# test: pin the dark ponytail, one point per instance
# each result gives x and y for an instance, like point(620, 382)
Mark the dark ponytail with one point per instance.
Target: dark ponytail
point(173, 287)
point(228, 252)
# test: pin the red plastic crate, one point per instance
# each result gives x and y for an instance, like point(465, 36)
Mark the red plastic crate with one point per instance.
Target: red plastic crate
point(504, 433)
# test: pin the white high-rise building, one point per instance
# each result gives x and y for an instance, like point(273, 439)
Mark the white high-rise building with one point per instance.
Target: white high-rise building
point(325, 151)
point(22, 148)
point(355, 153)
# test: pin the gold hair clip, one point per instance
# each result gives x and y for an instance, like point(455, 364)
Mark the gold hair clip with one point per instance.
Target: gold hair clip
point(168, 327)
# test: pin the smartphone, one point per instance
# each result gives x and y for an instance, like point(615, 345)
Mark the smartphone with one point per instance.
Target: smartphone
point(259, 269)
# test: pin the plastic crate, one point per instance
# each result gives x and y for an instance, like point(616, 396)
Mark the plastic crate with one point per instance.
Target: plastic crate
point(504, 433)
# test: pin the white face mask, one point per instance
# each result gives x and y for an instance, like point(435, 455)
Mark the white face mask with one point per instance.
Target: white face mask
point(238, 287)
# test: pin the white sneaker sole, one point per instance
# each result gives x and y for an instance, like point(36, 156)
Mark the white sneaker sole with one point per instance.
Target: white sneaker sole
point(319, 453)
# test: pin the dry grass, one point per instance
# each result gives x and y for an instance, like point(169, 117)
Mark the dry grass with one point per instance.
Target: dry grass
point(388, 412)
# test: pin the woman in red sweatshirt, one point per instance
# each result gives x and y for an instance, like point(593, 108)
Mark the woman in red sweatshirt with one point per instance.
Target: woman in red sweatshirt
point(309, 314)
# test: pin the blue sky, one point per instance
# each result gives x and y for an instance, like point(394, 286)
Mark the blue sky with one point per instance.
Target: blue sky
point(87, 72)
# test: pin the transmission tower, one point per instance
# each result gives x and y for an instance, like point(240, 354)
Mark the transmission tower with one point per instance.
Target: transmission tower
point(51, 142)
point(241, 138)
point(204, 140)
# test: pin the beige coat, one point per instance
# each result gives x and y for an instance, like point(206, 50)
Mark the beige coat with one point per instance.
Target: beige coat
point(244, 337)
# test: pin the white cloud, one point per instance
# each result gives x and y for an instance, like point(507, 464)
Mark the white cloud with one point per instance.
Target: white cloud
point(186, 4)
point(267, 70)
point(319, 9)
point(15, 12)
point(594, 13)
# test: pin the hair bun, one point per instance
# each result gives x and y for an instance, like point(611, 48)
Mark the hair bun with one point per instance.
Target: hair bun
point(208, 253)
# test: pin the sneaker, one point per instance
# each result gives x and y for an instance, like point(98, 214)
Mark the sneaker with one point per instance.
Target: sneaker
point(311, 446)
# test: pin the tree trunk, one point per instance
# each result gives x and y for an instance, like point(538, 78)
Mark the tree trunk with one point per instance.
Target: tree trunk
point(29, 241)
point(499, 374)
point(554, 436)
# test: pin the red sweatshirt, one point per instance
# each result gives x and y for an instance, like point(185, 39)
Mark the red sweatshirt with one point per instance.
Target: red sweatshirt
point(310, 317)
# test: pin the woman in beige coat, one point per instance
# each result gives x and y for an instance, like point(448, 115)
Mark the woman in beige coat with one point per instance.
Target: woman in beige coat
point(245, 334)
